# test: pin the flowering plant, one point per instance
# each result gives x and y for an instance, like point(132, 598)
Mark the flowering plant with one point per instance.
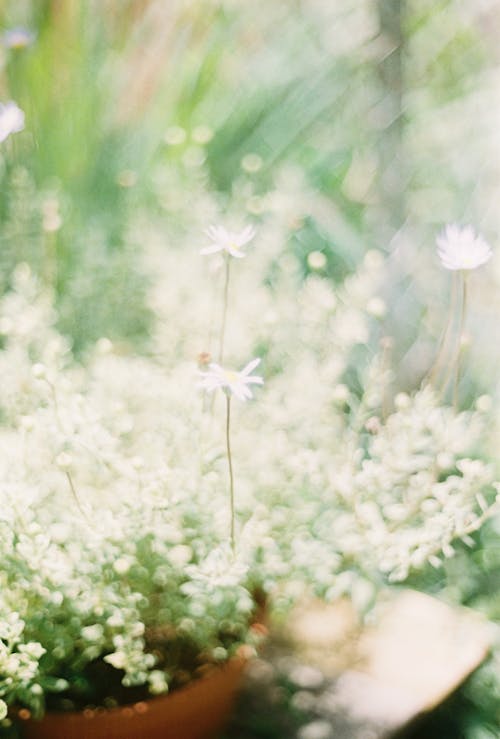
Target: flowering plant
point(131, 559)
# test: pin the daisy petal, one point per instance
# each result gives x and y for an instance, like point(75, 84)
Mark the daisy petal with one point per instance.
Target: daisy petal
point(246, 235)
point(235, 252)
point(250, 366)
point(212, 249)
point(254, 380)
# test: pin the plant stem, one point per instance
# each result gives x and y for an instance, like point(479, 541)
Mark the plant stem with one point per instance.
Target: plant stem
point(61, 429)
point(224, 309)
point(443, 342)
point(460, 337)
point(454, 363)
point(385, 368)
point(230, 467)
point(75, 494)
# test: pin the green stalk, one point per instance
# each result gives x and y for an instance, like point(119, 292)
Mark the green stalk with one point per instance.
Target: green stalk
point(447, 332)
point(460, 339)
point(454, 364)
point(224, 308)
point(75, 494)
point(230, 467)
point(69, 477)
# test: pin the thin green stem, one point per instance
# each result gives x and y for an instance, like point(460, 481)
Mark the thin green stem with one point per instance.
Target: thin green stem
point(224, 308)
point(385, 368)
point(61, 429)
point(455, 356)
point(460, 340)
point(447, 331)
point(230, 467)
point(75, 494)
point(214, 302)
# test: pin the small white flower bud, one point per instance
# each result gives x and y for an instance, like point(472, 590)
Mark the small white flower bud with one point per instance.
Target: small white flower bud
point(122, 565)
point(93, 633)
point(104, 345)
point(39, 371)
point(64, 460)
point(51, 222)
point(180, 555)
point(251, 163)
point(373, 259)
point(373, 425)
point(137, 629)
point(316, 260)
point(341, 393)
point(402, 401)
point(174, 136)
point(484, 403)
point(219, 653)
point(202, 134)
point(376, 307)
point(22, 272)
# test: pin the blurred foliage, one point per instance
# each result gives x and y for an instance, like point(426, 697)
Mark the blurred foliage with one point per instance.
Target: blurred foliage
point(341, 92)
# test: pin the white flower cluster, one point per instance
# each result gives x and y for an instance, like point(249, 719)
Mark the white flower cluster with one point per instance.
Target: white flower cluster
point(413, 493)
point(18, 659)
point(113, 506)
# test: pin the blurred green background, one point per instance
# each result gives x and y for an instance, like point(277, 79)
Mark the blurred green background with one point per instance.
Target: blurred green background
point(386, 110)
point(384, 106)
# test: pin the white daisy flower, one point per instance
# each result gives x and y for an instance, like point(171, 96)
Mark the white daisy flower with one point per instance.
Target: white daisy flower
point(11, 119)
point(461, 248)
point(18, 38)
point(230, 381)
point(228, 241)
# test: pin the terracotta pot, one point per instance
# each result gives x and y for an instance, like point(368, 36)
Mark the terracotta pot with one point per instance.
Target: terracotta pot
point(196, 711)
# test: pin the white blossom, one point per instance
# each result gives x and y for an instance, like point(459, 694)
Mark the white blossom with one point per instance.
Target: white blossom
point(230, 381)
point(460, 248)
point(18, 38)
point(231, 242)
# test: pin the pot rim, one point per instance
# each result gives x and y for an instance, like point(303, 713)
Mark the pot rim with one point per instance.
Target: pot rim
point(234, 663)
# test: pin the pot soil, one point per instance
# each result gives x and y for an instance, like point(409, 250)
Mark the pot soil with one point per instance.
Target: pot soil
point(197, 711)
